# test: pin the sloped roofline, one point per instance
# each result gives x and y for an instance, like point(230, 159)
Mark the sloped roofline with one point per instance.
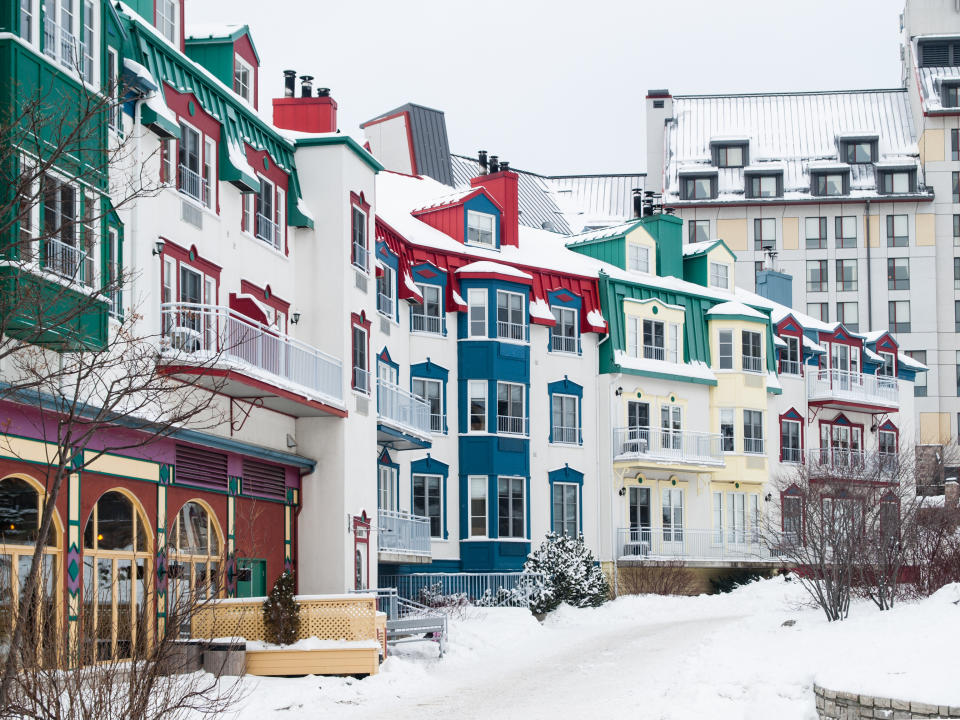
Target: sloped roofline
point(794, 93)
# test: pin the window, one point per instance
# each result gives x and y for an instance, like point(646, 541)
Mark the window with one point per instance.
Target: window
point(671, 500)
point(955, 144)
point(860, 151)
point(790, 358)
point(898, 316)
point(243, 79)
point(820, 311)
point(897, 231)
point(790, 441)
point(387, 487)
point(920, 381)
point(817, 276)
point(114, 110)
point(846, 275)
point(511, 507)
point(60, 29)
point(510, 320)
point(957, 361)
point(956, 273)
point(27, 14)
point(432, 392)
point(88, 44)
point(477, 402)
point(764, 186)
point(848, 313)
point(638, 258)
point(764, 234)
point(896, 182)
point(671, 427)
point(478, 505)
point(477, 313)
point(674, 350)
point(167, 19)
point(112, 279)
point(846, 231)
point(61, 210)
point(730, 156)
point(720, 275)
point(563, 335)
point(168, 167)
point(898, 273)
point(792, 512)
point(816, 233)
point(209, 171)
point(565, 509)
point(190, 179)
point(698, 188)
point(386, 281)
point(725, 345)
point(427, 501)
point(888, 366)
point(956, 187)
point(510, 409)
point(727, 433)
point(736, 517)
point(358, 226)
point(361, 374)
point(653, 340)
point(565, 428)
point(956, 315)
point(480, 228)
point(717, 518)
point(752, 431)
point(758, 267)
point(426, 316)
point(827, 184)
point(752, 355)
point(698, 231)
point(951, 96)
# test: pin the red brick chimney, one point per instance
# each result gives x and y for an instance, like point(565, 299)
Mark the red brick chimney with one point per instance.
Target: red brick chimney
point(305, 113)
point(503, 186)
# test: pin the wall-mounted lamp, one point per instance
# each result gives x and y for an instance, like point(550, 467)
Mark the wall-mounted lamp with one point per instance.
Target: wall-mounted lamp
point(619, 391)
point(294, 318)
point(768, 497)
point(622, 491)
point(158, 247)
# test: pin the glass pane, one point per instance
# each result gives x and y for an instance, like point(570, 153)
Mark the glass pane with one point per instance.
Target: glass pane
point(193, 529)
point(104, 617)
point(19, 519)
point(114, 522)
point(6, 603)
point(124, 607)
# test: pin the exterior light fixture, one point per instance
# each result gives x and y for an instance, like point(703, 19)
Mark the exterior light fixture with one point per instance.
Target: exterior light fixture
point(295, 318)
point(158, 247)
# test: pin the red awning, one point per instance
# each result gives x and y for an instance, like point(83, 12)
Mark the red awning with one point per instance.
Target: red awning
point(248, 305)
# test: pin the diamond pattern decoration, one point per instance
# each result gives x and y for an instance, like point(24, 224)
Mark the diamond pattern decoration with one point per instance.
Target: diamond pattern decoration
point(73, 569)
point(162, 571)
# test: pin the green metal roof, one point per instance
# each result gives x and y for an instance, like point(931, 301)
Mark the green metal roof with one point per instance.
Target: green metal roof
point(231, 34)
point(356, 147)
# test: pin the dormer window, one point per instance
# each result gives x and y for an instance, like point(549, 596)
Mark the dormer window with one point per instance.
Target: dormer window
point(764, 186)
point(480, 228)
point(243, 79)
point(730, 156)
point(950, 95)
point(830, 183)
point(858, 151)
point(167, 19)
point(897, 181)
point(700, 186)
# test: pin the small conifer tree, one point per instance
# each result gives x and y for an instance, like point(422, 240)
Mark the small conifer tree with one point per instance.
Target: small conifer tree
point(281, 612)
point(570, 575)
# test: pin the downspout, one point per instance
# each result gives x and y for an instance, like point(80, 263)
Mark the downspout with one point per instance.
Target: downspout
point(869, 269)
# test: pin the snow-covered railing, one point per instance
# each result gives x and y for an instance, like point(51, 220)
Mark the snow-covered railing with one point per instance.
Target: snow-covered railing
point(403, 533)
point(217, 333)
point(502, 589)
point(192, 184)
point(401, 407)
point(667, 445)
point(680, 543)
point(830, 384)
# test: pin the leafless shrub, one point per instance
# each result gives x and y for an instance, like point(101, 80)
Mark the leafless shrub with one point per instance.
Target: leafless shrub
point(656, 578)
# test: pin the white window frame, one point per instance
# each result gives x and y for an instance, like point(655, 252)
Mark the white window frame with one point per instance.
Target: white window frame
point(168, 20)
point(564, 520)
point(388, 474)
point(752, 445)
point(428, 319)
point(274, 240)
point(674, 343)
point(30, 9)
point(789, 366)
point(638, 258)
point(759, 358)
point(511, 419)
point(477, 301)
point(634, 336)
point(114, 112)
point(359, 247)
point(561, 343)
point(209, 164)
point(720, 275)
point(354, 385)
point(798, 458)
point(477, 390)
point(720, 345)
point(737, 517)
point(474, 225)
point(507, 330)
point(716, 506)
point(239, 64)
point(388, 283)
point(510, 515)
point(728, 417)
point(672, 499)
point(436, 419)
point(479, 490)
point(426, 499)
point(562, 434)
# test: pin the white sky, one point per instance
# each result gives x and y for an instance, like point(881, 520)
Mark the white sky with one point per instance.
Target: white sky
point(558, 86)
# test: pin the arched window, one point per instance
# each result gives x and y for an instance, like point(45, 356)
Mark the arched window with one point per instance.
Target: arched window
point(117, 562)
point(21, 505)
point(195, 562)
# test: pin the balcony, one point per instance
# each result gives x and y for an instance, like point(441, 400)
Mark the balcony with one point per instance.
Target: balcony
point(193, 185)
point(844, 390)
point(840, 463)
point(694, 546)
point(403, 537)
point(512, 331)
point(564, 344)
point(671, 447)
point(69, 262)
point(237, 356)
point(403, 419)
point(426, 323)
point(512, 425)
point(60, 44)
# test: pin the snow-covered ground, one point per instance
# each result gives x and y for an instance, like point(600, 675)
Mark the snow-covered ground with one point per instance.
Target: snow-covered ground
point(721, 656)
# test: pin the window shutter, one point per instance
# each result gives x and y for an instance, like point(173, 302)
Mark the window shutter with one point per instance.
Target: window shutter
point(934, 54)
point(264, 480)
point(196, 466)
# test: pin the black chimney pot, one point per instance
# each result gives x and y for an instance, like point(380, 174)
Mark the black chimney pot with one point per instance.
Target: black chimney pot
point(494, 164)
point(504, 166)
point(482, 157)
point(306, 85)
point(323, 92)
point(289, 83)
point(638, 203)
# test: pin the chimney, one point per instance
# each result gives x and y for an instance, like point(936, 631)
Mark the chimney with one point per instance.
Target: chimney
point(482, 159)
point(659, 107)
point(305, 113)
point(503, 185)
point(504, 166)
point(776, 286)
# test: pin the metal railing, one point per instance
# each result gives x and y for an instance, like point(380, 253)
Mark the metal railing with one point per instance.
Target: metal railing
point(752, 363)
point(830, 384)
point(654, 352)
point(59, 43)
point(385, 304)
point(791, 455)
point(789, 367)
point(664, 444)
point(753, 445)
point(220, 334)
point(436, 422)
point(426, 323)
point(401, 407)
point(68, 261)
point(403, 533)
point(360, 256)
point(268, 231)
point(503, 589)
point(839, 461)
point(563, 343)
point(681, 543)
point(192, 184)
point(361, 380)
point(511, 331)
point(569, 435)
point(511, 425)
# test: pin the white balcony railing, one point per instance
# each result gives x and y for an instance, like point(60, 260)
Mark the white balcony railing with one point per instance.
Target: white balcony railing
point(59, 43)
point(840, 385)
point(436, 422)
point(841, 461)
point(68, 261)
point(192, 184)
point(789, 367)
point(384, 304)
point(360, 380)
point(753, 445)
point(752, 363)
point(567, 435)
point(216, 334)
point(402, 408)
point(671, 445)
point(269, 231)
point(426, 323)
point(511, 425)
point(693, 544)
point(654, 352)
point(511, 331)
point(403, 533)
point(360, 256)
point(563, 343)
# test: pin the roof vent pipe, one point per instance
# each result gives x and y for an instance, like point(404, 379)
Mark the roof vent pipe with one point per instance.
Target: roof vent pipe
point(289, 83)
point(504, 166)
point(494, 164)
point(306, 85)
point(482, 159)
point(323, 92)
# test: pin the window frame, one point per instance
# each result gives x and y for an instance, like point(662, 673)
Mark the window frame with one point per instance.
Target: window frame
point(715, 275)
point(788, 453)
point(514, 481)
point(564, 521)
point(821, 272)
point(428, 319)
point(821, 183)
point(172, 21)
point(721, 358)
point(693, 231)
point(473, 482)
point(477, 299)
point(240, 64)
point(634, 251)
point(563, 434)
point(821, 237)
point(359, 240)
point(694, 182)
point(752, 443)
point(559, 341)
point(473, 216)
point(841, 240)
point(438, 420)
point(472, 395)
point(894, 282)
point(842, 314)
point(761, 243)
point(728, 440)
point(511, 423)
point(512, 328)
point(895, 325)
point(894, 240)
point(744, 334)
point(845, 284)
point(363, 348)
point(425, 477)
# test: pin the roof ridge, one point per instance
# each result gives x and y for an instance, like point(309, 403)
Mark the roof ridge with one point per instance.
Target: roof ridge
point(793, 93)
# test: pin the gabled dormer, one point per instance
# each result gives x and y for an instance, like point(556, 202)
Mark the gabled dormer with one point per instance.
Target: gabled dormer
point(228, 52)
point(710, 264)
point(472, 217)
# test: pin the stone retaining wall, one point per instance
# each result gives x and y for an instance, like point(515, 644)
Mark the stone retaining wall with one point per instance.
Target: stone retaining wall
point(835, 705)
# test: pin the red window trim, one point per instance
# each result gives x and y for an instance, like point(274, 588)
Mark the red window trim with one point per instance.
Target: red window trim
point(361, 322)
point(848, 424)
point(182, 255)
point(280, 180)
point(360, 203)
point(207, 125)
point(799, 420)
point(889, 426)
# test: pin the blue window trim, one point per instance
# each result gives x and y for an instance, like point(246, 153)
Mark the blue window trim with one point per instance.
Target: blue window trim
point(481, 204)
point(386, 461)
point(430, 466)
point(429, 274)
point(573, 301)
point(566, 387)
point(567, 475)
point(383, 358)
point(492, 305)
point(431, 371)
point(386, 256)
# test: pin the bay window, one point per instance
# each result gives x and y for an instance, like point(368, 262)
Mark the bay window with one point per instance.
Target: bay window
point(510, 316)
point(477, 313)
point(478, 505)
point(477, 403)
point(753, 431)
point(752, 354)
point(511, 419)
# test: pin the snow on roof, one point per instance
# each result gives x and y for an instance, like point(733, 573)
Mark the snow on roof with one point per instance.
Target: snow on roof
point(602, 233)
point(909, 362)
point(595, 318)
point(449, 199)
point(735, 308)
point(810, 345)
point(488, 266)
point(693, 369)
point(699, 247)
point(773, 381)
point(540, 309)
point(656, 300)
point(894, 162)
point(212, 30)
point(817, 120)
point(779, 341)
point(827, 165)
point(771, 166)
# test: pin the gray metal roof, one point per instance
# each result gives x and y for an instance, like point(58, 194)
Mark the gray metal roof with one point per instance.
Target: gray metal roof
point(790, 131)
point(431, 149)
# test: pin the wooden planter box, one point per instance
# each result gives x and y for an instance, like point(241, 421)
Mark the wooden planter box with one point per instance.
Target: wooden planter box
point(328, 661)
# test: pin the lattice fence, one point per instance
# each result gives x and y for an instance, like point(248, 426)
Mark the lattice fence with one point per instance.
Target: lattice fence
point(337, 618)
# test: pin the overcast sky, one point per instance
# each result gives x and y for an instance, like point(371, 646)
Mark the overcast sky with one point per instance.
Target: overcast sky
point(558, 87)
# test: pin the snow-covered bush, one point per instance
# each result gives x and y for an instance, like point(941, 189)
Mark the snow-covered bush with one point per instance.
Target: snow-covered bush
point(281, 612)
point(570, 575)
point(433, 597)
point(502, 596)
